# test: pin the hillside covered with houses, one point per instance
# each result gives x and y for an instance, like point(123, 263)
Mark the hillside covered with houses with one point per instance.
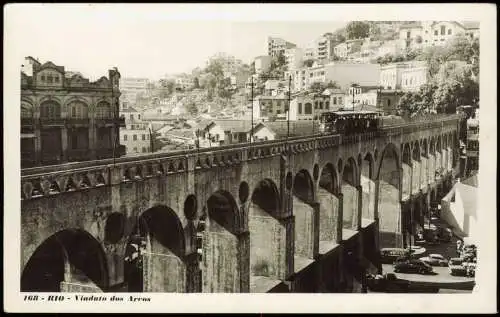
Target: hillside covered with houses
point(394, 67)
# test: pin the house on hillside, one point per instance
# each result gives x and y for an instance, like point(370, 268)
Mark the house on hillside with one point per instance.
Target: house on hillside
point(222, 132)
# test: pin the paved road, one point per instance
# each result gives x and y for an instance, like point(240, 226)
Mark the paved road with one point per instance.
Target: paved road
point(443, 276)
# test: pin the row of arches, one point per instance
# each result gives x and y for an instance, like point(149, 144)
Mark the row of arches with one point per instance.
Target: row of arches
point(50, 109)
point(244, 238)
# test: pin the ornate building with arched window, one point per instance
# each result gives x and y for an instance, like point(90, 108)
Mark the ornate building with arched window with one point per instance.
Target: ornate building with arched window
point(66, 117)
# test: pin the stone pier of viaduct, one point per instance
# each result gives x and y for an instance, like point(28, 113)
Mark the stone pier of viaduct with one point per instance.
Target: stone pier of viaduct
point(302, 215)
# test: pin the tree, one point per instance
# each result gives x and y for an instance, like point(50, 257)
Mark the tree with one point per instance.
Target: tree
point(170, 85)
point(252, 68)
point(308, 62)
point(375, 33)
point(455, 87)
point(191, 108)
point(357, 30)
point(196, 83)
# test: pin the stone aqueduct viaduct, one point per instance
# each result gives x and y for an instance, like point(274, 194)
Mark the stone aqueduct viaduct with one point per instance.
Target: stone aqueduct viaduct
point(307, 215)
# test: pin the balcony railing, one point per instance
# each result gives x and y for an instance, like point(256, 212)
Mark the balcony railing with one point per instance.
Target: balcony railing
point(52, 121)
point(77, 154)
point(77, 121)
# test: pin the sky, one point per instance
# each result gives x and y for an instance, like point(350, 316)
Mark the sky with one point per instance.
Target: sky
point(151, 40)
point(146, 45)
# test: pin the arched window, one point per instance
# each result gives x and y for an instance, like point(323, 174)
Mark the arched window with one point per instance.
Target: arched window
point(26, 111)
point(103, 110)
point(308, 108)
point(78, 109)
point(50, 109)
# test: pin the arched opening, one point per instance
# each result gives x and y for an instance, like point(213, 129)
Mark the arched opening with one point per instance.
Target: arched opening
point(424, 158)
point(303, 199)
point(439, 159)
point(78, 110)
point(416, 170)
point(413, 221)
point(328, 198)
point(267, 236)
point(223, 246)
point(389, 206)
point(155, 253)
point(368, 187)
point(432, 162)
point(190, 207)
point(66, 261)
point(50, 136)
point(407, 172)
point(103, 110)
point(350, 195)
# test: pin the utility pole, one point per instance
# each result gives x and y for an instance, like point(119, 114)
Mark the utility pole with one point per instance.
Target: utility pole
point(251, 100)
point(289, 102)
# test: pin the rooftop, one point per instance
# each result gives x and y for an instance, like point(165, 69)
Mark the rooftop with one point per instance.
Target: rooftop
point(411, 25)
point(233, 125)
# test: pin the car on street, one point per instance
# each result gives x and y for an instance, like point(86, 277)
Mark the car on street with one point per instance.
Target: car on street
point(412, 266)
point(435, 260)
point(444, 234)
point(456, 267)
point(470, 268)
point(389, 255)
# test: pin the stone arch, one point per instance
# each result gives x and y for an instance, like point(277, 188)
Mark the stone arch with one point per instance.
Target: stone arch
point(424, 157)
point(416, 167)
point(425, 147)
point(388, 206)
point(224, 233)
point(27, 109)
point(367, 186)
point(303, 210)
point(303, 186)
point(267, 233)
point(328, 198)
point(68, 256)
point(77, 108)
point(103, 110)
point(50, 109)
point(160, 238)
point(406, 165)
point(350, 183)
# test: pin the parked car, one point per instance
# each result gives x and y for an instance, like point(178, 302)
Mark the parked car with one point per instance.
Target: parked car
point(456, 267)
point(412, 266)
point(470, 269)
point(435, 260)
point(444, 234)
point(389, 255)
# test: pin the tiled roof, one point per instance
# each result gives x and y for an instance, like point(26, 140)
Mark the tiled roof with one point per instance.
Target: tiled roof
point(184, 133)
point(234, 125)
point(411, 26)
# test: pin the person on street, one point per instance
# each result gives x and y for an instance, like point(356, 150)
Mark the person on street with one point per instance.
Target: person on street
point(459, 247)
